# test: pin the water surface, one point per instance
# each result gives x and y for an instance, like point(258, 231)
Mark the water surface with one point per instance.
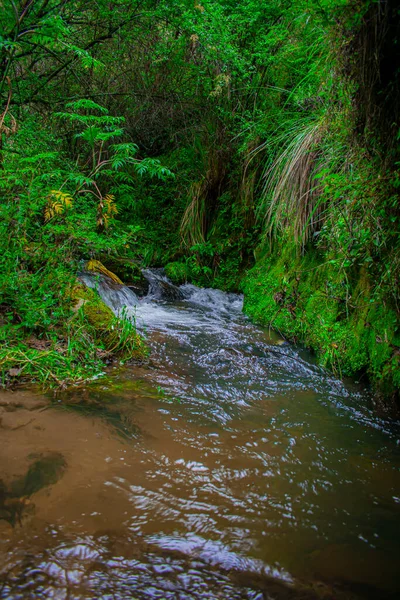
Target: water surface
point(230, 466)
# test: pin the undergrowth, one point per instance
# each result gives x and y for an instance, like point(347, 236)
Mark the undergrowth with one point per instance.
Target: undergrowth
point(231, 135)
point(57, 215)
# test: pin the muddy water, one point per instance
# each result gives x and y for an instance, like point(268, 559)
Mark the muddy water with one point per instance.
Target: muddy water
point(228, 467)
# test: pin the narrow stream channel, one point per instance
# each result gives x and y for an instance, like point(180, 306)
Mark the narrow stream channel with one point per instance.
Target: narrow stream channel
point(229, 467)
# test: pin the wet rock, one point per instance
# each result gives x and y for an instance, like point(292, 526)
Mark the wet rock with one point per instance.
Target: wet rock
point(170, 292)
point(368, 567)
point(46, 470)
point(114, 295)
point(129, 272)
point(140, 289)
point(160, 287)
point(12, 401)
point(6, 529)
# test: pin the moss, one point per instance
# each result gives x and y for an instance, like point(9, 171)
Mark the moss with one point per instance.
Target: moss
point(338, 314)
point(97, 267)
point(115, 335)
point(99, 315)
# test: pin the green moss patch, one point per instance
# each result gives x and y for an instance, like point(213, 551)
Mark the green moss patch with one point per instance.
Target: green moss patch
point(352, 330)
point(114, 335)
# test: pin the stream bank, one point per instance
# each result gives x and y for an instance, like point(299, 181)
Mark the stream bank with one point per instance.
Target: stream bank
point(350, 324)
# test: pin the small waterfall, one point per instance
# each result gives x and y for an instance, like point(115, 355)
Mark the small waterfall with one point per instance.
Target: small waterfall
point(160, 307)
point(214, 299)
point(160, 287)
point(115, 295)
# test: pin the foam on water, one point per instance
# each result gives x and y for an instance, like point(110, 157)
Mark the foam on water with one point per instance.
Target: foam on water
point(115, 295)
point(213, 299)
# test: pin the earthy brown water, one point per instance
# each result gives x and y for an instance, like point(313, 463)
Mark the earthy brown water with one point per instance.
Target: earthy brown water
point(230, 467)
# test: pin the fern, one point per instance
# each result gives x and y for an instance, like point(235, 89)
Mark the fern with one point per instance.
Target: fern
point(106, 211)
point(57, 203)
point(124, 178)
point(87, 60)
point(125, 149)
point(86, 104)
point(153, 167)
point(79, 179)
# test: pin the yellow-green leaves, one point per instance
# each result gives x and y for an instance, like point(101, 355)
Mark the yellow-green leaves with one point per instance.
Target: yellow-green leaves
point(57, 203)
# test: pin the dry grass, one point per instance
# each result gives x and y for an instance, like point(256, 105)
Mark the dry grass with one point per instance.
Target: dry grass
point(193, 224)
point(291, 199)
point(204, 196)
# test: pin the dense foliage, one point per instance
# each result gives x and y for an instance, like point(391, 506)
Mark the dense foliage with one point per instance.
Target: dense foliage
point(207, 137)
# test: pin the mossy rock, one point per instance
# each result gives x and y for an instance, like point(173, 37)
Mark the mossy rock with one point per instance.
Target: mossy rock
point(115, 335)
point(99, 315)
point(128, 271)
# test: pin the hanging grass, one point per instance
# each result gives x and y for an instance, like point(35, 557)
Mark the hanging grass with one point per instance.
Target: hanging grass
point(291, 196)
point(193, 223)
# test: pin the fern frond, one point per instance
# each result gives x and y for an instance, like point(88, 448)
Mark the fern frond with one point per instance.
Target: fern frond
point(86, 104)
point(58, 208)
point(62, 197)
point(57, 203)
point(111, 207)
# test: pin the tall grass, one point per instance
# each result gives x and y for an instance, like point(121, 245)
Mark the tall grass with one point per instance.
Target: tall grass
point(291, 198)
point(193, 224)
point(203, 199)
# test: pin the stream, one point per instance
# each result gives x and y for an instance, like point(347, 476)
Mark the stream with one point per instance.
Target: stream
point(230, 466)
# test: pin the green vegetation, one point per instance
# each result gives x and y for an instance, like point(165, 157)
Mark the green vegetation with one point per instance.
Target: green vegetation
point(250, 146)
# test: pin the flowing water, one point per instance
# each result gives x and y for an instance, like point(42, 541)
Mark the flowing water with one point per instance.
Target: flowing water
point(230, 466)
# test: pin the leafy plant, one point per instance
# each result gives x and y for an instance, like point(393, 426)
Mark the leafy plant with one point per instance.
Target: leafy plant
point(57, 203)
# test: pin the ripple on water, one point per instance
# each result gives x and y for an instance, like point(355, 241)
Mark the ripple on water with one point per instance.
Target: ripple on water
point(237, 468)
